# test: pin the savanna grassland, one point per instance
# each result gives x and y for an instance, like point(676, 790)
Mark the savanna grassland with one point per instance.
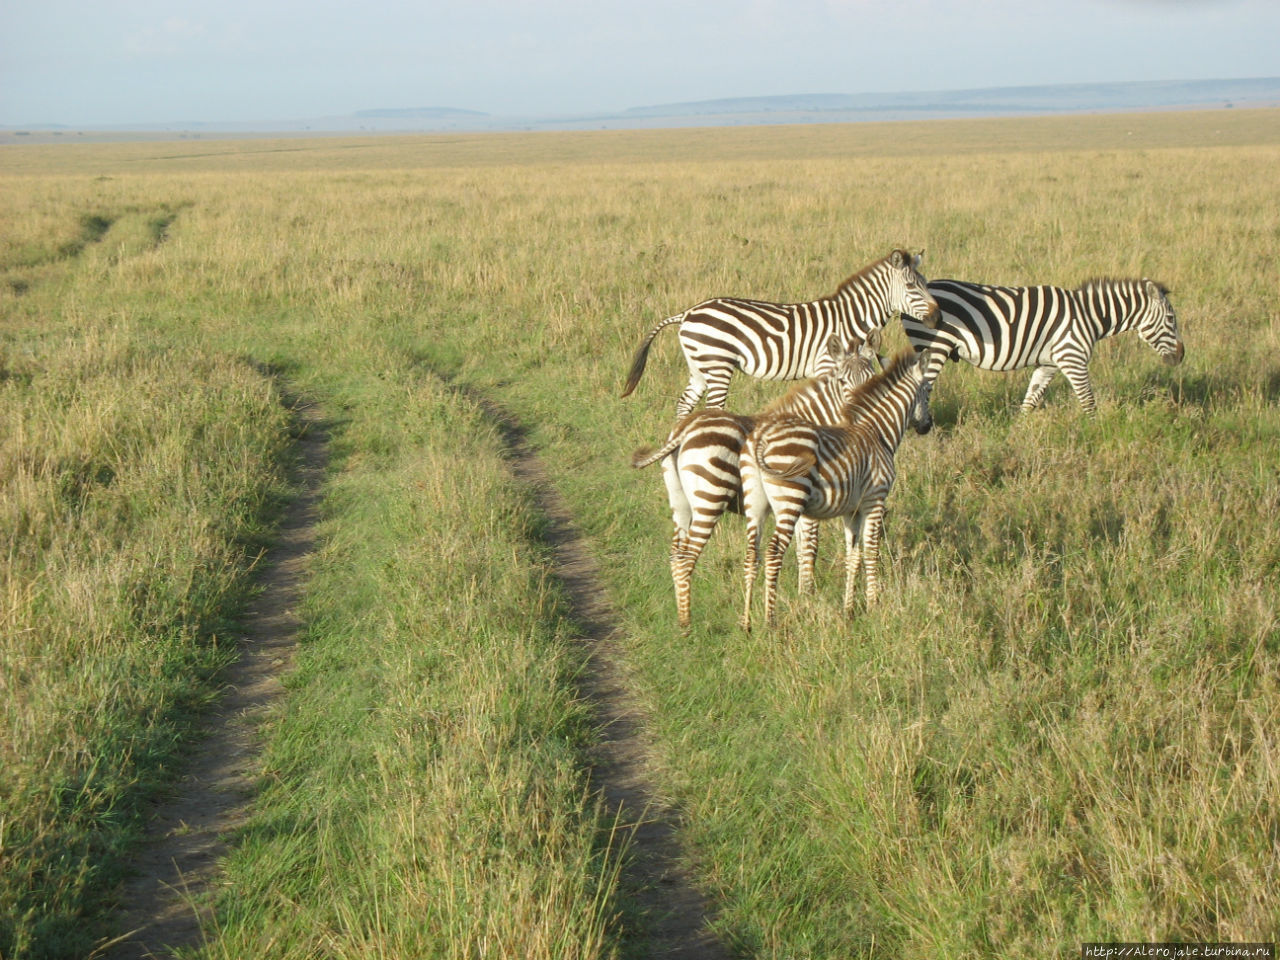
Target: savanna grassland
point(1060, 724)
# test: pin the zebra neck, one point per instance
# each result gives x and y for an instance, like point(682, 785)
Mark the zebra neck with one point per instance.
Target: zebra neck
point(825, 399)
point(862, 303)
point(886, 415)
point(1107, 310)
point(902, 402)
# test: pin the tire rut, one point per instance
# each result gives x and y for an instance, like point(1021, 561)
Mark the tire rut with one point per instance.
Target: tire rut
point(169, 897)
point(676, 915)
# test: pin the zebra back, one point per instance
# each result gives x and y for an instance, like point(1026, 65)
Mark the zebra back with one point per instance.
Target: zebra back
point(876, 414)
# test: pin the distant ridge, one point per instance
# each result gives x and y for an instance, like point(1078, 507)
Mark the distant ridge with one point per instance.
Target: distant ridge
point(1029, 99)
point(743, 111)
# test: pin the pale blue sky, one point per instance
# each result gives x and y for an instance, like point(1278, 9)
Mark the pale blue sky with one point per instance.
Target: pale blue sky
point(92, 62)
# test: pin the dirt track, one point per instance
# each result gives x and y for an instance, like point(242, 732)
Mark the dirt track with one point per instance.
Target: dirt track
point(177, 873)
point(676, 913)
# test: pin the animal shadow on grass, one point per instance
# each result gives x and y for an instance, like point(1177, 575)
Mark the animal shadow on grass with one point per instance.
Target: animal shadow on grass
point(1206, 389)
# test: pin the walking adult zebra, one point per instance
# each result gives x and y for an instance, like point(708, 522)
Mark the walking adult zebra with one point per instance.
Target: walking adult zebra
point(700, 459)
point(794, 468)
point(786, 341)
point(1049, 328)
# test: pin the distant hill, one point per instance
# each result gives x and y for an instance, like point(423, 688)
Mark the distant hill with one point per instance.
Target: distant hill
point(992, 100)
point(901, 105)
point(794, 108)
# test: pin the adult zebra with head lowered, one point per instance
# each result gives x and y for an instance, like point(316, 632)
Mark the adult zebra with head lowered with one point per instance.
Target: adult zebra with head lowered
point(1049, 328)
point(787, 341)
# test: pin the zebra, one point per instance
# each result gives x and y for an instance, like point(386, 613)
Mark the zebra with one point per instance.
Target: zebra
point(794, 468)
point(785, 341)
point(1049, 328)
point(700, 458)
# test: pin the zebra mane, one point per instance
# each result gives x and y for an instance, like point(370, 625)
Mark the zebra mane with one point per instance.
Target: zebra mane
point(871, 392)
point(871, 268)
point(1110, 283)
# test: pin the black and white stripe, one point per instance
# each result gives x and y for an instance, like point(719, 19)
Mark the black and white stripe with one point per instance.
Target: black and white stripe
point(1049, 328)
point(700, 460)
point(786, 341)
point(795, 469)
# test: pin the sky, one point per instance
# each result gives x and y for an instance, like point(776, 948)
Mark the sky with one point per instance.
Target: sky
point(108, 62)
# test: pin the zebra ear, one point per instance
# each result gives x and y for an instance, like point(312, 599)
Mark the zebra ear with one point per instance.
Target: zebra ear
point(873, 339)
point(899, 258)
point(918, 259)
point(835, 348)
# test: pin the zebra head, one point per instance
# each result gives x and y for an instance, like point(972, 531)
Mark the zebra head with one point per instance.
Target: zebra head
point(1156, 322)
point(853, 366)
point(921, 420)
point(909, 291)
point(849, 362)
point(1116, 306)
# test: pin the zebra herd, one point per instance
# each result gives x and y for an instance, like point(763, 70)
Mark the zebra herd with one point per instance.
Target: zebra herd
point(826, 449)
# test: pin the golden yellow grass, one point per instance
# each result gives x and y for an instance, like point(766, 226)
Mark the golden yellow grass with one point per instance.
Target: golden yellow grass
point(1060, 724)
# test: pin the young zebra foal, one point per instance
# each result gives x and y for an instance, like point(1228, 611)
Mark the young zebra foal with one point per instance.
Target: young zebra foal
point(799, 469)
point(700, 459)
point(785, 341)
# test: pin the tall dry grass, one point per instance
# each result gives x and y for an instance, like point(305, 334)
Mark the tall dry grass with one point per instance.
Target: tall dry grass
point(1058, 726)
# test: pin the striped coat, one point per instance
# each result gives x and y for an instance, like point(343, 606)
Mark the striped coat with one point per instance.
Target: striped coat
point(700, 460)
point(786, 341)
point(792, 468)
point(1049, 328)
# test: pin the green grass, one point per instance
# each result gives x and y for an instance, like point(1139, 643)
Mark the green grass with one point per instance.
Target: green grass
point(1058, 726)
point(427, 796)
point(131, 506)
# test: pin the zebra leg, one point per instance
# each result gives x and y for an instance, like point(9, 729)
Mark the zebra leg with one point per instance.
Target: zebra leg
point(1078, 376)
point(690, 550)
point(807, 552)
point(692, 393)
point(680, 575)
point(872, 530)
point(1040, 381)
point(682, 519)
point(1072, 357)
point(750, 566)
point(755, 510)
point(777, 549)
point(922, 416)
point(853, 525)
point(678, 541)
point(717, 380)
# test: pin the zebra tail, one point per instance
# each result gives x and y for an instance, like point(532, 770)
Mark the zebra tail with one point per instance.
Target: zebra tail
point(646, 455)
point(642, 354)
point(800, 464)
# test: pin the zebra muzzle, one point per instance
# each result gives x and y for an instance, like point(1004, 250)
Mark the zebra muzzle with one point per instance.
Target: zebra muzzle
point(1174, 358)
